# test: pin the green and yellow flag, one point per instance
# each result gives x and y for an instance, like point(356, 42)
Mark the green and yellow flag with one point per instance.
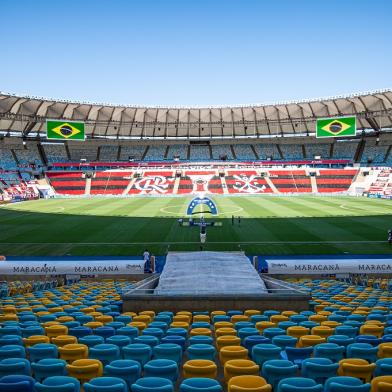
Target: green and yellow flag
point(336, 127)
point(69, 130)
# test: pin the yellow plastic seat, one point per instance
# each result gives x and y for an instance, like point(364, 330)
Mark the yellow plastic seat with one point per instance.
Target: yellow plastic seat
point(139, 325)
point(277, 318)
point(62, 340)
point(310, 340)
point(149, 313)
point(227, 353)
point(262, 325)
point(355, 367)
point(55, 309)
point(330, 324)
point(182, 318)
point(372, 329)
point(52, 331)
point(104, 319)
point(199, 368)
point(317, 318)
point(239, 317)
point(227, 340)
point(85, 369)
point(382, 384)
point(385, 350)
point(217, 313)
point(35, 339)
point(73, 352)
point(64, 319)
point(185, 312)
point(225, 332)
point(8, 317)
point(87, 310)
point(252, 312)
point(201, 332)
point(297, 331)
point(288, 313)
point(179, 324)
point(240, 367)
point(93, 324)
point(223, 324)
point(201, 317)
point(248, 383)
point(322, 331)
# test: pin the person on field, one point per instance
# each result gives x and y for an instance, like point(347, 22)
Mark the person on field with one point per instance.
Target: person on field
point(390, 236)
point(239, 221)
point(146, 257)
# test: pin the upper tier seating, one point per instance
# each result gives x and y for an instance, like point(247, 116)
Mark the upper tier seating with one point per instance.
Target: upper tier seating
point(199, 153)
point(155, 153)
point(267, 151)
point(292, 151)
point(7, 160)
point(28, 155)
point(220, 150)
point(177, 150)
point(345, 149)
point(55, 153)
point(83, 153)
point(374, 153)
point(135, 152)
point(319, 149)
point(108, 153)
point(244, 152)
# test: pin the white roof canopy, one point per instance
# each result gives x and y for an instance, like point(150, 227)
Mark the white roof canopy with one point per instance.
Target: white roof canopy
point(28, 114)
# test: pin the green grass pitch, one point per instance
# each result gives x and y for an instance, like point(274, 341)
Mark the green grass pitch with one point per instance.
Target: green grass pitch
point(125, 226)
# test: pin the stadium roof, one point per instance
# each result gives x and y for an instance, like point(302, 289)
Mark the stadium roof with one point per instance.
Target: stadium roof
point(28, 115)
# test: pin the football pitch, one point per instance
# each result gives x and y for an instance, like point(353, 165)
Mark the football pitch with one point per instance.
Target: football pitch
point(126, 226)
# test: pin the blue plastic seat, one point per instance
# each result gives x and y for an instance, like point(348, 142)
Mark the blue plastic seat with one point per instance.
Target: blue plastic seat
point(270, 313)
point(286, 324)
point(319, 369)
point(105, 353)
point(177, 332)
point(12, 351)
point(15, 366)
point(386, 338)
point(32, 330)
point(17, 383)
point(115, 324)
point(299, 384)
point(138, 352)
point(168, 351)
point(201, 351)
point(200, 324)
point(220, 317)
point(200, 385)
point(277, 369)
point(91, 340)
point(105, 332)
point(159, 324)
point(298, 354)
point(243, 324)
point(126, 369)
point(105, 384)
point(152, 384)
point(341, 340)
point(345, 384)
point(284, 341)
point(264, 352)
point(243, 333)
point(347, 330)
point(271, 332)
point(251, 341)
point(200, 339)
point(369, 339)
point(176, 339)
point(255, 318)
point(147, 339)
point(164, 368)
point(48, 367)
point(331, 351)
point(119, 340)
point(41, 351)
point(298, 318)
point(383, 367)
point(130, 331)
point(80, 331)
point(10, 330)
point(362, 351)
point(231, 313)
point(6, 340)
point(58, 384)
point(157, 332)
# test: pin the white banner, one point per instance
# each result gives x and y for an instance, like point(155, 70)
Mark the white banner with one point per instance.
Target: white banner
point(72, 267)
point(332, 266)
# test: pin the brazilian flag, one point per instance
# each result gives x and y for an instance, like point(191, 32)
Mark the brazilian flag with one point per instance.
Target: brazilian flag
point(336, 127)
point(68, 130)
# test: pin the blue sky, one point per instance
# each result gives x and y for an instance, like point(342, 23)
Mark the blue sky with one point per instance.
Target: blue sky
point(200, 52)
